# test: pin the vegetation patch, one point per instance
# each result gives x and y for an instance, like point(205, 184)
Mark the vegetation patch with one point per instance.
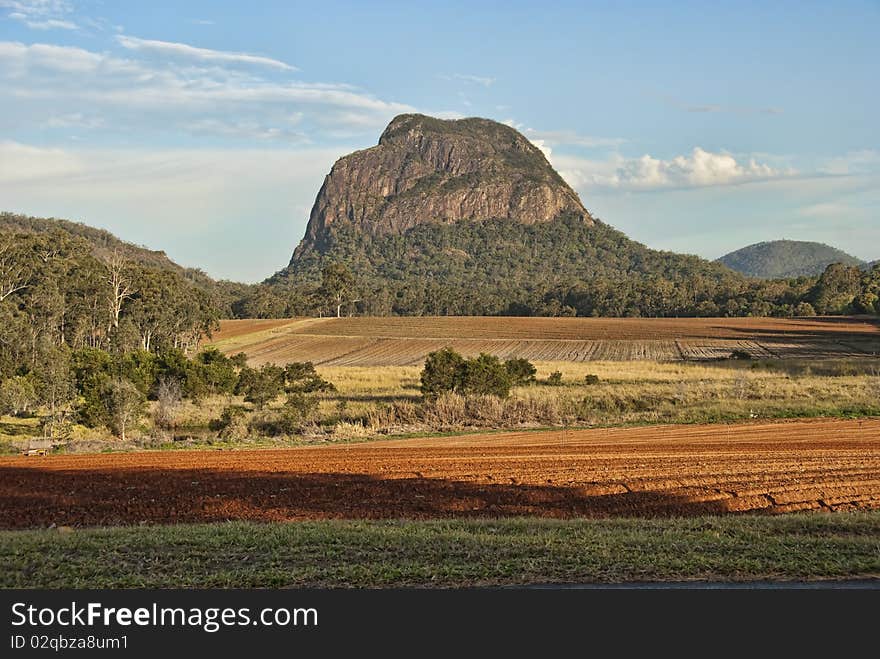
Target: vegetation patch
point(441, 554)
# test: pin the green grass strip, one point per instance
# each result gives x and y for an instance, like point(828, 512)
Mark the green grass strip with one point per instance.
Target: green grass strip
point(448, 553)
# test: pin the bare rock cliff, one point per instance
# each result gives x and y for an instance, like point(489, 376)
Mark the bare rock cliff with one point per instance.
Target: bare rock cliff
point(432, 170)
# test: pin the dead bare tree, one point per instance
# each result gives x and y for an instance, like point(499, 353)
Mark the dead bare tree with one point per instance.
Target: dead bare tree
point(13, 273)
point(121, 287)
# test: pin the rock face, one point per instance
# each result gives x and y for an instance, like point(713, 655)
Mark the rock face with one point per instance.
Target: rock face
point(432, 170)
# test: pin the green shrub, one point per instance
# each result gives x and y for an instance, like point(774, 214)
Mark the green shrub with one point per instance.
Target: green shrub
point(213, 372)
point(591, 378)
point(520, 371)
point(444, 371)
point(301, 377)
point(298, 409)
point(554, 379)
point(260, 386)
point(486, 375)
point(232, 424)
point(18, 395)
point(125, 405)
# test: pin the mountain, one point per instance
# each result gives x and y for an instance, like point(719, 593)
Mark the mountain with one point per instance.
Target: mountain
point(468, 217)
point(426, 170)
point(781, 259)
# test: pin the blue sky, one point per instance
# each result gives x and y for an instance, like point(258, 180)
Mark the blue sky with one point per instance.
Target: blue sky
point(206, 128)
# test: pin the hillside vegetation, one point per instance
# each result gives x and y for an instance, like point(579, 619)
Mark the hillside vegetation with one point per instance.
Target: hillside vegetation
point(559, 268)
point(782, 259)
point(102, 244)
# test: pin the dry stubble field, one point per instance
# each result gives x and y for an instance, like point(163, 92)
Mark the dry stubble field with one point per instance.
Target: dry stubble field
point(392, 341)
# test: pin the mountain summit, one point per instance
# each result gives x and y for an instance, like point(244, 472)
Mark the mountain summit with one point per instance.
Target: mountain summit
point(427, 170)
point(786, 258)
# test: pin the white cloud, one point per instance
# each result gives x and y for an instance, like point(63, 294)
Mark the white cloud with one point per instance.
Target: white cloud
point(47, 24)
point(485, 81)
point(826, 210)
point(182, 50)
point(250, 130)
point(139, 94)
point(172, 198)
point(855, 162)
point(20, 163)
point(564, 137)
point(40, 14)
point(700, 168)
point(74, 120)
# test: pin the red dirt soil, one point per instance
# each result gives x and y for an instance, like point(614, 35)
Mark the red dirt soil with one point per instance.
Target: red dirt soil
point(647, 472)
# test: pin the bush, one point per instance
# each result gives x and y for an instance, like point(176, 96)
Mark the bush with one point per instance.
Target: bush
point(125, 405)
point(554, 379)
point(138, 367)
point(260, 386)
point(168, 397)
point(213, 372)
point(486, 375)
point(740, 354)
point(444, 371)
point(590, 378)
point(804, 309)
point(17, 395)
point(301, 377)
point(297, 410)
point(520, 371)
point(232, 424)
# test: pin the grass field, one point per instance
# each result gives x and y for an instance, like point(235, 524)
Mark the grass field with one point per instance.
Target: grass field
point(365, 341)
point(380, 397)
point(438, 554)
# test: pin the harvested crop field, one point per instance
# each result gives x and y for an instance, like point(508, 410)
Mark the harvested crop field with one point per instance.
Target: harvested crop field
point(405, 341)
point(653, 471)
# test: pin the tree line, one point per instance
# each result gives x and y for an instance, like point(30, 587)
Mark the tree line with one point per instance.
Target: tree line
point(560, 268)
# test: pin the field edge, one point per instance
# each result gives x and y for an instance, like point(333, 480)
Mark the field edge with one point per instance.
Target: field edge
point(448, 553)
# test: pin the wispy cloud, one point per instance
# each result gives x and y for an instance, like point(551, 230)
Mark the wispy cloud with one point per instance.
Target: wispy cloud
point(40, 14)
point(201, 21)
point(186, 51)
point(485, 81)
point(20, 163)
point(711, 108)
point(146, 195)
point(565, 137)
point(855, 162)
point(74, 120)
point(831, 209)
point(142, 94)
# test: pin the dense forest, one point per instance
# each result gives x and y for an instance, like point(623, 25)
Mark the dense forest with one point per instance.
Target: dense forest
point(560, 268)
point(56, 282)
point(102, 244)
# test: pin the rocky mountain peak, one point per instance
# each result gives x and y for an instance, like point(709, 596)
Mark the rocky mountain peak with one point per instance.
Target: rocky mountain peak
point(429, 170)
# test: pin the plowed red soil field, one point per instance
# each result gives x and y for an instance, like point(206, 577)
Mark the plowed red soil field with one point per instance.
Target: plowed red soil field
point(649, 472)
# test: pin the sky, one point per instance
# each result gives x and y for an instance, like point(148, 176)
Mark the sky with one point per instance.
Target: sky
point(206, 128)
